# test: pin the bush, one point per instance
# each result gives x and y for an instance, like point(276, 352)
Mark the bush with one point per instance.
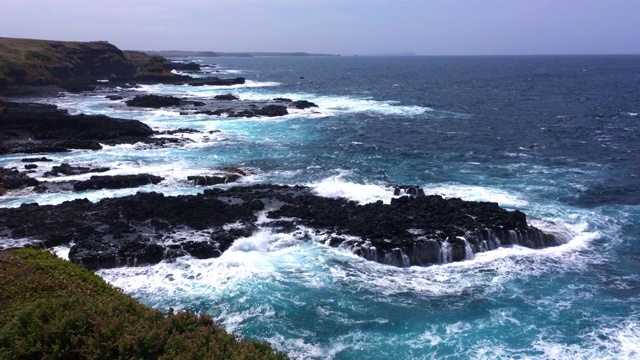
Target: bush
point(57, 310)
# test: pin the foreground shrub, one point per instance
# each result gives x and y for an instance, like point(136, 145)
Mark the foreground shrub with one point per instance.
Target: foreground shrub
point(52, 309)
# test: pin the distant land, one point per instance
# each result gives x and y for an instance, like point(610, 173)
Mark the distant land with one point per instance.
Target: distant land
point(182, 53)
point(393, 54)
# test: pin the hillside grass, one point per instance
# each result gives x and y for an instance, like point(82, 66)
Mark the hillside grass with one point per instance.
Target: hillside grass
point(53, 309)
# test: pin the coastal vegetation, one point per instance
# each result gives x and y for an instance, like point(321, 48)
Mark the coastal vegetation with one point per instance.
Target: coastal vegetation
point(44, 62)
point(54, 309)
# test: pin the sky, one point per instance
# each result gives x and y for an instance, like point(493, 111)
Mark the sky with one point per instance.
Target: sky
point(346, 27)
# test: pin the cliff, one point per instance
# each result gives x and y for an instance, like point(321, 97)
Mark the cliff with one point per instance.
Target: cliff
point(62, 63)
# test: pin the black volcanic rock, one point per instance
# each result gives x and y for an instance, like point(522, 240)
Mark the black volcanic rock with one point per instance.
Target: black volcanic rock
point(34, 128)
point(206, 180)
point(154, 101)
point(229, 97)
point(32, 160)
point(14, 179)
point(303, 104)
point(191, 66)
point(180, 80)
point(145, 228)
point(272, 111)
point(68, 170)
point(117, 182)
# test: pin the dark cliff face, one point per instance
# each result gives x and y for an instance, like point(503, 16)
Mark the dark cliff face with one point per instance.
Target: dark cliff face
point(41, 62)
point(90, 61)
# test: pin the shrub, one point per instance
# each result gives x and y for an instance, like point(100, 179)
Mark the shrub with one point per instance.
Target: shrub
point(57, 310)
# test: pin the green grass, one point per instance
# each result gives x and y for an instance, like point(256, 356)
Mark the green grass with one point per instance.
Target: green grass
point(52, 309)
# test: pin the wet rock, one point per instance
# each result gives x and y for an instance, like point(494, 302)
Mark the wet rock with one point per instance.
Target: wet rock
point(114, 97)
point(14, 179)
point(33, 128)
point(191, 66)
point(31, 166)
point(117, 182)
point(229, 97)
point(32, 160)
point(272, 111)
point(68, 170)
point(303, 104)
point(154, 101)
point(206, 180)
point(420, 230)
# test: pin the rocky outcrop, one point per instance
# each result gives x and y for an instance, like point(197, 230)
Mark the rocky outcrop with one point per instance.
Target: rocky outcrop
point(181, 66)
point(303, 104)
point(249, 111)
point(14, 179)
point(207, 180)
point(154, 101)
point(117, 182)
point(36, 128)
point(68, 170)
point(229, 97)
point(150, 227)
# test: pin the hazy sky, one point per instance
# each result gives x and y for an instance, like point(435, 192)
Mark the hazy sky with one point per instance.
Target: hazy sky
point(426, 27)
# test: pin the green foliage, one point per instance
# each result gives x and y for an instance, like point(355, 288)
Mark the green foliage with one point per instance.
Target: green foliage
point(31, 55)
point(52, 309)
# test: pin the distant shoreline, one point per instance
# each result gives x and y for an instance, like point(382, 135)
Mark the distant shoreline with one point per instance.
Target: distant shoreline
point(185, 53)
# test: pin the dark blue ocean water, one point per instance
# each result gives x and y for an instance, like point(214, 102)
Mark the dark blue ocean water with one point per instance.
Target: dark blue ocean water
point(555, 137)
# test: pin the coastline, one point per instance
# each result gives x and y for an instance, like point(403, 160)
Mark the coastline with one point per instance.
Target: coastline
point(283, 267)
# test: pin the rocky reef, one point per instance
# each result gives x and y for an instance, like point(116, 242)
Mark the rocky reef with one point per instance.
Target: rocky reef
point(147, 228)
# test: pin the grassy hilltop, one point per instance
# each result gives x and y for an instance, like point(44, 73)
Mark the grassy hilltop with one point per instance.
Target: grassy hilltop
point(44, 62)
point(53, 309)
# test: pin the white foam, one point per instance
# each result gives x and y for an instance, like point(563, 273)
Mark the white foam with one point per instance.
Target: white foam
point(611, 342)
point(10, 243)
point(62, 251)
point(337, 187)
point(476, 193)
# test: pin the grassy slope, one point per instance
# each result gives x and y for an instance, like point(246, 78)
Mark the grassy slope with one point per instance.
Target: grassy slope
point(44, 62)
point(52, 309)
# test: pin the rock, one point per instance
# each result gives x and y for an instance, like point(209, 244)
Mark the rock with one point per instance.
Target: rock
point(32, 160)
point(229, 97)
point(31, 166)
point(303, 104)
point(199, 103)
point(68, 170)
point(424, 230)
point(154, 101)
point(272, 111)
point(191, 66)
point(178, 131)
point(285, 100)
point(117, 182)
point(206, 180)
point(14, 179)
point(114, 97)
point(217, 81)
point(33, 128)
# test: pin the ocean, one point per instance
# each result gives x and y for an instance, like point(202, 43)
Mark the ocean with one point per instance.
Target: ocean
point(556, 137)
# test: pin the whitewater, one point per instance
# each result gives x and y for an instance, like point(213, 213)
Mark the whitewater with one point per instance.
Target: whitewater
point(555, 137)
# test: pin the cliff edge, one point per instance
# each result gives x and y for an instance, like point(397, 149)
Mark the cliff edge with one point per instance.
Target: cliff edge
point(63, 63)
